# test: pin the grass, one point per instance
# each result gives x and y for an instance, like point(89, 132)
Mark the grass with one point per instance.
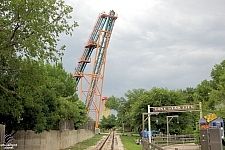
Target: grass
point(129, 143)
point(85, 144)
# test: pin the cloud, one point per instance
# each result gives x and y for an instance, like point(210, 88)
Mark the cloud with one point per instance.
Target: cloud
point(160, 43)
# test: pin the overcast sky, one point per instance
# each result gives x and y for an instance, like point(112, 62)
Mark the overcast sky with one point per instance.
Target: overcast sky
point(154, 43)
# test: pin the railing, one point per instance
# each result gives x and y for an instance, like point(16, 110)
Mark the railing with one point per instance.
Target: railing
point(173, 139)
point(160, 142)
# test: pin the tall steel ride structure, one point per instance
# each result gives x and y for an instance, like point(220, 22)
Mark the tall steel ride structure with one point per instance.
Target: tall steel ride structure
point(98, 42)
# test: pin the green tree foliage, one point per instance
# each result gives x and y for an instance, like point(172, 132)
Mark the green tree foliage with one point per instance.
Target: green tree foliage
point(130, 110)
point(30, 29)
point(211, 93)
point(72, 109)
point(132, 97)
point(63, 85)
point(189, 93)
point(30, 90)
point(218, 73)
point(157, 97)
point(112, 103)
point(18, 95)
point(217, 94)
point(118, 104)
point(42, 103)
point(108, 123)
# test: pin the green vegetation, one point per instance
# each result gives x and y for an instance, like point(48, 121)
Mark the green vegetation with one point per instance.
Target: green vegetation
point(108, 122)
point(35, 95)
point(41, 105)
point(36, 92)
point(85, 144)
point(129, 143)
point(209, 93)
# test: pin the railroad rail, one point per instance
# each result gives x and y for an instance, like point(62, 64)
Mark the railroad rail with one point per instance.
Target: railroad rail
point(111, 141)
point(108, 142)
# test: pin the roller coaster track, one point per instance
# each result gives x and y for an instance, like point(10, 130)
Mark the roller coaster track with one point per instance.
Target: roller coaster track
point(98, 40)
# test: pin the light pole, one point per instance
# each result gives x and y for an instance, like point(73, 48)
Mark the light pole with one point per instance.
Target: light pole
point(167, 124)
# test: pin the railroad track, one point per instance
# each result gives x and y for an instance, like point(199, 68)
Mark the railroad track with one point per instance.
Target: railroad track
point(108, 143)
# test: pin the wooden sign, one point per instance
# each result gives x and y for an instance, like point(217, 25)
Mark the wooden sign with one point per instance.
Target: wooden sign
point(174, 108)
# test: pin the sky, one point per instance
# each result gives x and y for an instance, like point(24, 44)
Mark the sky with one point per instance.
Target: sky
point(169, 44)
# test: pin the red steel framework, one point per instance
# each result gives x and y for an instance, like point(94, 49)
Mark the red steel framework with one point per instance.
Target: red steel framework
point(98, 42)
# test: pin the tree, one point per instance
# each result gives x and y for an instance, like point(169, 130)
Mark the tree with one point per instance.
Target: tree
point(113, 103)
point(189, 92)
point(157, 97)
point(29, 33)
point(217, 94)
point(19, 95)
point(46, 102)
point(211, 93)
point(69, 107)
point(108, 123)
point(119, 104)
point(73, 110)
point(30, 29)
point(132, 96)
point(218, 73)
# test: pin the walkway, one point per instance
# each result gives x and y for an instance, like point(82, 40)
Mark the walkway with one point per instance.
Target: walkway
point(189, 146)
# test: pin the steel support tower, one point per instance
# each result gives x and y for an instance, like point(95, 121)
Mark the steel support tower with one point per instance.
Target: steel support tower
point(98, 42)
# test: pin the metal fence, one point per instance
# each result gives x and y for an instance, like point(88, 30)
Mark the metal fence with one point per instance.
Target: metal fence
point(69, 125)
point(90, 125)
point(66, 125)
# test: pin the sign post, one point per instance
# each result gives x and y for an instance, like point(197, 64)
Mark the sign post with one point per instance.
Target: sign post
point(149, 125)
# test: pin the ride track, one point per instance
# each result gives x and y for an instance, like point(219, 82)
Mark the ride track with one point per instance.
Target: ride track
point(98, 40)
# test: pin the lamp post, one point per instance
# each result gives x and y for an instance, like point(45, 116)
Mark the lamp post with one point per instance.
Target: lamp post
point(167, 124)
